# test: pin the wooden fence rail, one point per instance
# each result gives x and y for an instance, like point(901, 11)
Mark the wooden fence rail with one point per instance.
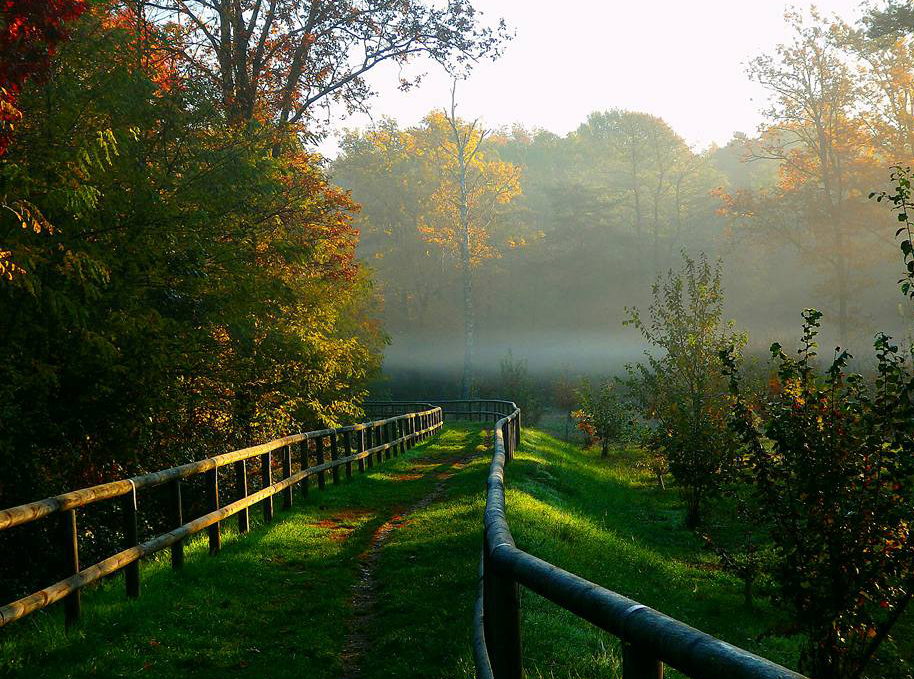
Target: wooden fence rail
point(649, 638)
point(378, 439)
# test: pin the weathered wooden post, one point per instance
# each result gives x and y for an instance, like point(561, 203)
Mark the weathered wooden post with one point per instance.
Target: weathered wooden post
point(241, 492)
point(401, 434)
point(319, 452)
point(636, 664)
point(266, 480)
point(360, 448)
point(379, 440)
point(501, 616)
point(386, 439)
point(70, 554)
point(305, 450)
point(212, 492)
point(517, 431)
point(286, 473)
point(131, 539)
point(177, 519)
point(335, 455)
point(347, 451)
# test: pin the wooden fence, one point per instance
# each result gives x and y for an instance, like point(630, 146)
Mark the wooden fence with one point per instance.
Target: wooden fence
point(649, 638)
point(362, 444)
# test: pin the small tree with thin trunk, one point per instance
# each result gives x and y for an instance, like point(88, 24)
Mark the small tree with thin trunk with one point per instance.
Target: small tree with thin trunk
point(474, 185)
point(680, 389)
point(603, 415)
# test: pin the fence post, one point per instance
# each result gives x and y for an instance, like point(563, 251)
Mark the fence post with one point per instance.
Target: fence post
point(347, 451)
point(266, 476)
point(385, 435)
point(636, 664)
point(212, 491)
point(401, 434)
point(501, 619)
point(319, 452)
point(131, 539)
point(70, 544)
point(177, 516)
point(305, 454)
point(360, 448)
point(241, 492)
point(517, 431)
point(286, 473)
point(335, 455)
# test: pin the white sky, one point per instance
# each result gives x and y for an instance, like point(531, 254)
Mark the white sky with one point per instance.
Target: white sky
point(682, 60)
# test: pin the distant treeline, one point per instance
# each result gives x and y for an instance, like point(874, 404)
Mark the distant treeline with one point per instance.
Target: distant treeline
point(599, 212)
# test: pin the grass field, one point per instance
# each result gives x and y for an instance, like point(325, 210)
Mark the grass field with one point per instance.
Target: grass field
point(376, 578)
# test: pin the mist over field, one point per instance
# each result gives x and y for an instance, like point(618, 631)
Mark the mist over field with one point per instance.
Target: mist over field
point(564, 228)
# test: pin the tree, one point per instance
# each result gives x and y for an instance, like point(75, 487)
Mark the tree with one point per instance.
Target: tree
point(819, 132)
point(467, 203)
point(681, 391)
point(278, 59)
point(30, 31)
point(652, 173)
point(199, 293)
point(446, 194)
point(832, 467)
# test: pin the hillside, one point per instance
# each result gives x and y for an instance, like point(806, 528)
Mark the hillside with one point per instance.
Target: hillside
point(376, 577)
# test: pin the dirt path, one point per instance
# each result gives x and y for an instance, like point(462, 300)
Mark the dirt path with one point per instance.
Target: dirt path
point(365, 591)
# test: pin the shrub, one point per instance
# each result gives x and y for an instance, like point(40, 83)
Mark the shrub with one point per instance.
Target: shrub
point(832, 459)
point(603, 416)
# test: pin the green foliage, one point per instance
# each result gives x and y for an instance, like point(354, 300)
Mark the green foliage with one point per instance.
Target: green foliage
point(680, 390)
point(180, 289)
point(833, 467)
point(603, 415)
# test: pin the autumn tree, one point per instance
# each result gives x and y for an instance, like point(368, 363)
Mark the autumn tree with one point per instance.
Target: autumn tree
point(199, 293)
point(447, 198)
point(30, 31)
point(831, 133)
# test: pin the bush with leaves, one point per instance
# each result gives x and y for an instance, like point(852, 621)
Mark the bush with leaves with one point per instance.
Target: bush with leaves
point(680, 389)
point(831, 458)
point(603, 415)
point(833, 469)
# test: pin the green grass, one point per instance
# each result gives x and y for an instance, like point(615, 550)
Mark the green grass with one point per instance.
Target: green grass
point(276, 602)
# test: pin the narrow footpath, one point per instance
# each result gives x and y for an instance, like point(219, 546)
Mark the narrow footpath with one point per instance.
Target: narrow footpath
point(371, 578)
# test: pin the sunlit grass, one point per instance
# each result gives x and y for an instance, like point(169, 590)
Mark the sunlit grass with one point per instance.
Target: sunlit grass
point(276, 602)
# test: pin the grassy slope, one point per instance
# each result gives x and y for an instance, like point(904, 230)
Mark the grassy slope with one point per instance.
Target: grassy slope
point(275, 602)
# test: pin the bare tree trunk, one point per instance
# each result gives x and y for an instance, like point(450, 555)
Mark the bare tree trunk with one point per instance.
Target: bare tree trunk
point(469, 325)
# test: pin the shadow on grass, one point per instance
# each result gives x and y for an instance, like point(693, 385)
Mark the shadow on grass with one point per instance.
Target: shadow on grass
point(272, 603)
